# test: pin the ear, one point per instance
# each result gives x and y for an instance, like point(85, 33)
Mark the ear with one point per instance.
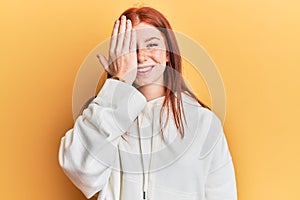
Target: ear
point(167, 56)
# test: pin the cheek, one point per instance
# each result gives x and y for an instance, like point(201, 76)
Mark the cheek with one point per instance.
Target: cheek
point(159, 56)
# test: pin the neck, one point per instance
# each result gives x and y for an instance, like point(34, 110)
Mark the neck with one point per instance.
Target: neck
point(152, 91)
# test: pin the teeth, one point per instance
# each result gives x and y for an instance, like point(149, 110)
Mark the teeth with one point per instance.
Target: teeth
point(144, 69)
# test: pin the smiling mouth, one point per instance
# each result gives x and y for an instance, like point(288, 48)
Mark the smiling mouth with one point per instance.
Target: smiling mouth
point(144, 70)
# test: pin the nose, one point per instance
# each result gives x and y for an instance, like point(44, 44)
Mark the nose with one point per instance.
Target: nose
point(141, 55)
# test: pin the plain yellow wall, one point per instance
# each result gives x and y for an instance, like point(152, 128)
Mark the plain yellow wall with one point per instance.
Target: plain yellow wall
point(255, 45)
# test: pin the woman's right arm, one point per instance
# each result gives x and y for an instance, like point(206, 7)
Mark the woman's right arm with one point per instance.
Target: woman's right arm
point(87, 151)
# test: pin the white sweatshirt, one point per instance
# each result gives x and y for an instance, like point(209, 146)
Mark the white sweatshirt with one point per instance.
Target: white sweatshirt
point(97, 156)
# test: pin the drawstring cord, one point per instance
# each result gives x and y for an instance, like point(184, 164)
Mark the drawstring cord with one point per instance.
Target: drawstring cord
point(145, 187)
point(121, 171)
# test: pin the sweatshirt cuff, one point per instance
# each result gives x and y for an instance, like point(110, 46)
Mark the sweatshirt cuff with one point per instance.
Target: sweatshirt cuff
point(125, 100)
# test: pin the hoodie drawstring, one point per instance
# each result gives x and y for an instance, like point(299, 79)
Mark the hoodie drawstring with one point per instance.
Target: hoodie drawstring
point(145, 182)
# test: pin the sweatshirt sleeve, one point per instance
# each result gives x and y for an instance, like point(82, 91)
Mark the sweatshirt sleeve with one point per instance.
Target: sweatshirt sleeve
point(220, 182)
point(87, 152)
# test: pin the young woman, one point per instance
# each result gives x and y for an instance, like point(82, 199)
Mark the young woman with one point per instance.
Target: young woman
point(146, 135)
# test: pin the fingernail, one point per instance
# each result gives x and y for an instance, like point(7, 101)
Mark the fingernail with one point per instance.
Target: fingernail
point(123, 17)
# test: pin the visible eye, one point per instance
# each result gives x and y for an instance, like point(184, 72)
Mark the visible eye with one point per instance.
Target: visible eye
point(152, 45)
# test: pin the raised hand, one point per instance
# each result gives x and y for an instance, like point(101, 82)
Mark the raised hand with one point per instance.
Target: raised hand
point(122, 53)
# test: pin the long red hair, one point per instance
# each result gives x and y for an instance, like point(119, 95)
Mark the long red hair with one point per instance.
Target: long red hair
point(173, 80)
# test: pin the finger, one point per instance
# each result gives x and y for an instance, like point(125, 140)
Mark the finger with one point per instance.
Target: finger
point(121, 35)
point(113, 40)
point(116, 28)
point(103, 62)
point(127, 38)
point(133, 45)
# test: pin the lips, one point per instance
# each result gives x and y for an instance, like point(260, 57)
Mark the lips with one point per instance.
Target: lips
point(144, 70)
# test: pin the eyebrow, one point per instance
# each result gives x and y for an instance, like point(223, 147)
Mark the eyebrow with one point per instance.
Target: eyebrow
point(151, 38)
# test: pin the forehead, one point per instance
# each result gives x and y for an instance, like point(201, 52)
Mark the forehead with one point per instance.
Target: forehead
point(144, 31)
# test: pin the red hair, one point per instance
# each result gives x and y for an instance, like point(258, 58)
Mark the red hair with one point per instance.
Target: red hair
point(173, 80)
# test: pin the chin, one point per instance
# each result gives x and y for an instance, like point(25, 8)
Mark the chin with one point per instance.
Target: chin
point(148, 81)
point(141, 83)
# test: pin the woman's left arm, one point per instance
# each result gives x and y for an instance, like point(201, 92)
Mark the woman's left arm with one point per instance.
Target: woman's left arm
point(220, 183)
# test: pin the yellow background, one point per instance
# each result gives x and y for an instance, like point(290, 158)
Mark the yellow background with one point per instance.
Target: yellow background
point(255, 45)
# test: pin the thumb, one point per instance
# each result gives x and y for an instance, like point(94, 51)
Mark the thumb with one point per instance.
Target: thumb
point(103, 62)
